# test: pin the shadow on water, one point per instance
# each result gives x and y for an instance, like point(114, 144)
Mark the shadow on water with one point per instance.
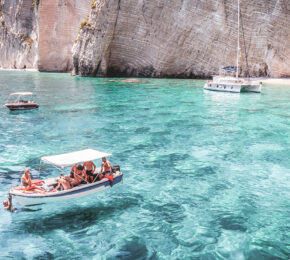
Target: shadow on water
point(205, 171)
point(134, 248)
point(73, 218)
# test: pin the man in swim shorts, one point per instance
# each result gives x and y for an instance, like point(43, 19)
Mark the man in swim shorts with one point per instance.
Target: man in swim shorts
point(105, 167)
point(90, 169)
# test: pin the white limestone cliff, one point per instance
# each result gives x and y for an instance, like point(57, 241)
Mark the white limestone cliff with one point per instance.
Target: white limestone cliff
point(39, 34)
point(183, 38)
point(160, 38)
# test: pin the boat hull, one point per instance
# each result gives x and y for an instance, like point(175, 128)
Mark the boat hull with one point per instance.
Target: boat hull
point(236, 88)
point(20, 106)
point(79, 191)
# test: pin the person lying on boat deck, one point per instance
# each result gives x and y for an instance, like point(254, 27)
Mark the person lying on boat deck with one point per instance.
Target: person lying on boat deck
point(27, 183)
point(80, 176)
point(90, 169)
point(105, 168)
point(8, 204)
point(64, 183)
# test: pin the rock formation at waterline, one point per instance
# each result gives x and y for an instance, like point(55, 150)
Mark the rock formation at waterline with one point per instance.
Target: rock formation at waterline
point(183, 38)
point(160, 38)
point(39, 34)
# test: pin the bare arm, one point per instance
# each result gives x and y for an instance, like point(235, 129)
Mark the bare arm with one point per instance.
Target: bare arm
point(93, 167)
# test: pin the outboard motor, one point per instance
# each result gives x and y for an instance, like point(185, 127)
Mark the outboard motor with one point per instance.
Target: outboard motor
point(115, 168)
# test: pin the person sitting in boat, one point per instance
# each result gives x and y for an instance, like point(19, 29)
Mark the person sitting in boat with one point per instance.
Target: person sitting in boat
point(106, 168)
point(8, 204)
point(73, 169)
point(90, 169)
point(27, 182)
point(80, 176)
point(64, 183)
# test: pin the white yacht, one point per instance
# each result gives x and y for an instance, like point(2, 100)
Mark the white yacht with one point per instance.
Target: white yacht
point(231, 83)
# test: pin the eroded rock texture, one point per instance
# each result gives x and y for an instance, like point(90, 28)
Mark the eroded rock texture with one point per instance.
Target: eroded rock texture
point(39, 34)
point(18, 34)
point(59, 22)
point(183, 38)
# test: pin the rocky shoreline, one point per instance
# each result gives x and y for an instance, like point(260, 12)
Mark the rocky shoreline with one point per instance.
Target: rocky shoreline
point(163, 39)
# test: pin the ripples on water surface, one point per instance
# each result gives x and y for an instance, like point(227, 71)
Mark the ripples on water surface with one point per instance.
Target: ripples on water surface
point(206, 173)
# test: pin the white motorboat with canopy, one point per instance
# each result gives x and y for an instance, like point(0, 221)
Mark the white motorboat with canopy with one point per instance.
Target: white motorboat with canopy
point(33, 197)
point(21, 101)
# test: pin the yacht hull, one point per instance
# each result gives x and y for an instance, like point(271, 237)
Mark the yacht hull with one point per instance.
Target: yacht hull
point(223, 87)
point(236, 88)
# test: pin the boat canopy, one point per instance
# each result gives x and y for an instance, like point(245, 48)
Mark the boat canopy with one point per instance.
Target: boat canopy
point(68, 159)
point(21, 93)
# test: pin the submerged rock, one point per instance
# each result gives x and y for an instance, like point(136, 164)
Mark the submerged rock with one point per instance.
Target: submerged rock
point(131, 80)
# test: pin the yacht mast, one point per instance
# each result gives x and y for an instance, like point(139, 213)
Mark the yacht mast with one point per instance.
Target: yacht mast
point(238, 49)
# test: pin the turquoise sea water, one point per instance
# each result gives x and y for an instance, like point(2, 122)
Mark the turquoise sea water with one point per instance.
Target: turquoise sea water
point(206, 174)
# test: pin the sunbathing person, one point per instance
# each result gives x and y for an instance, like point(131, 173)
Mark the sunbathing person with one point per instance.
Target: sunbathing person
point(27, 183)
point(64, 183)
point(90, 169)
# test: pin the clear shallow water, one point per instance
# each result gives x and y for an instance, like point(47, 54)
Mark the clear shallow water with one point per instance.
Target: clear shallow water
point(206, 173)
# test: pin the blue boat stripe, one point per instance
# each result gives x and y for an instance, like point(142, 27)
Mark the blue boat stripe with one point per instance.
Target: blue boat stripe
point(55, 195)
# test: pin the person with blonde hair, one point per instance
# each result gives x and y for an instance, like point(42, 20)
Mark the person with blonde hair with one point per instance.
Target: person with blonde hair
point(27, 183)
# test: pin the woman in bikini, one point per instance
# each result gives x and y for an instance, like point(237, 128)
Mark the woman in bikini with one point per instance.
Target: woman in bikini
point(27, 183)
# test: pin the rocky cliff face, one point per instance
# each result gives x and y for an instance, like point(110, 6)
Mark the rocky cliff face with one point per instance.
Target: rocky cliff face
point(59, 22)
point(183, 38)
point(39, 34)
point(18, 34)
